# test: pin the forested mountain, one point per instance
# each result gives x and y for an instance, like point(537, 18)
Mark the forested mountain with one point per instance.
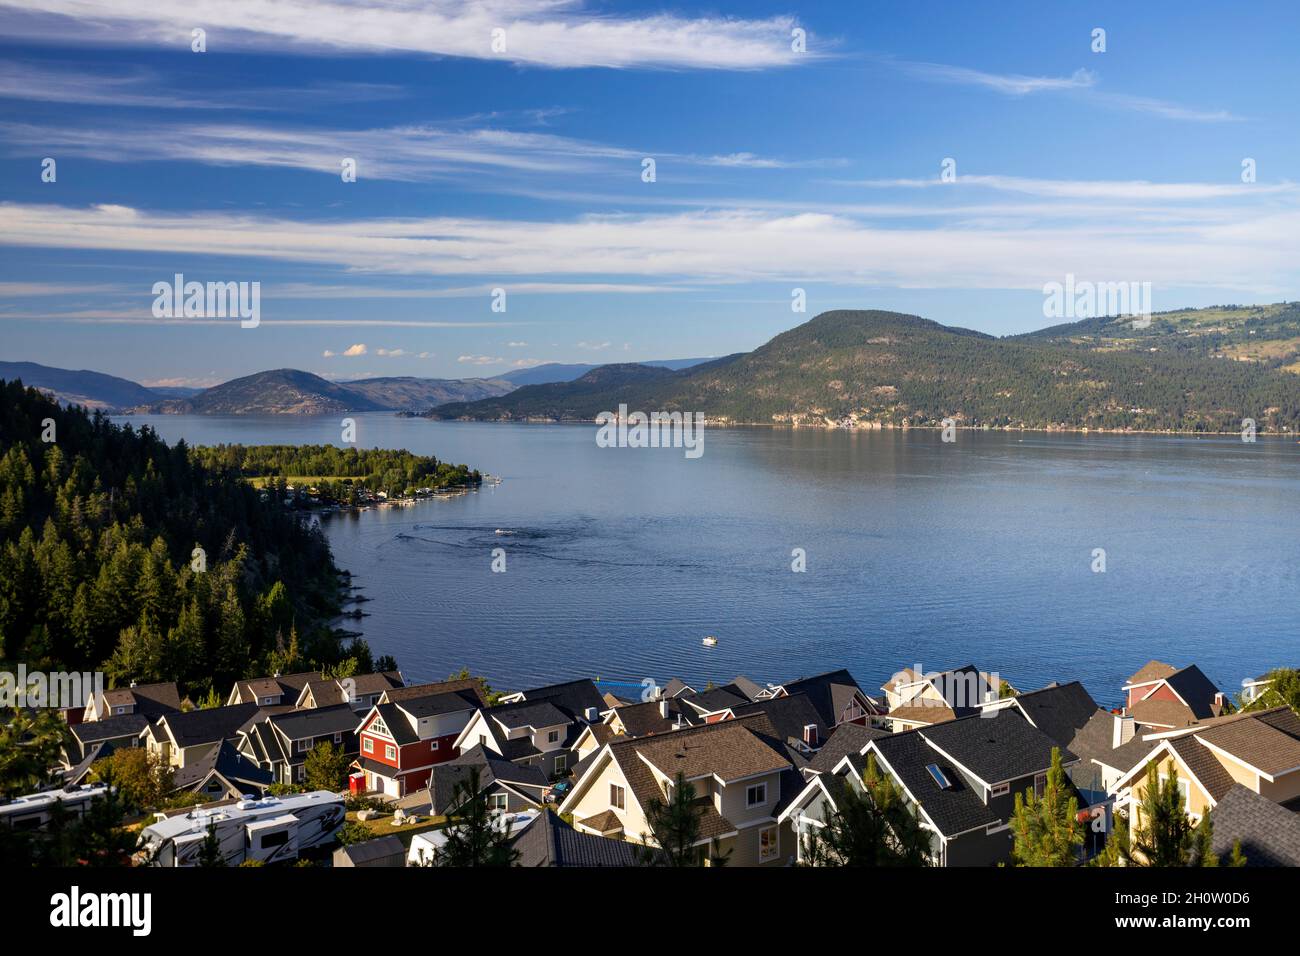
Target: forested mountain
point(82, 387)
point(98, 569)
point(406, 393)
point(1187, 372)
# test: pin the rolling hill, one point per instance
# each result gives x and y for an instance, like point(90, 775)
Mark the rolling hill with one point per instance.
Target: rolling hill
point(556, 372)
point(1188, 371)
point(94, 390)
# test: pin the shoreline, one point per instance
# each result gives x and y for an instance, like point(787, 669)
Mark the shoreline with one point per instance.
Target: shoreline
point(1044, 430)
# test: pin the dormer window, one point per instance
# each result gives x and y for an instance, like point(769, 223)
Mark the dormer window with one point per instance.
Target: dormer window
point(553, 737)
point(616, 796)
point(756, 795)
point(379, 727)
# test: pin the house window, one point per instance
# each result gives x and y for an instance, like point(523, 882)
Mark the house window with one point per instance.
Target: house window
point(561, 762)
point(482, 740)
point(267, 700)
point(1000, 790)
point(367, 745)
point(390, 751)
point(433, 745)
point(304, 745)
point(497, 802)
point(338, 737)
point(300, 772)
point(768, 844)
point(616, 796)
point(379, 727)
point(119, 710)
point(1040, 784)
point(756, 794)
point(553, 737)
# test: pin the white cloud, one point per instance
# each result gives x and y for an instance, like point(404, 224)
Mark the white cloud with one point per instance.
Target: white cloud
point(391, 353)
point(1250, 242)
point(1081, 82)
point(547, 33)
point(403, 153)
point(355, 351)
point(517, 345)
point(593, 346)
point(479, 360)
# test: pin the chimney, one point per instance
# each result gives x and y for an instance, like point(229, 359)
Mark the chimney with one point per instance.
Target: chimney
point(591, 715)
point(663, 707)
point(1218, 703)
point(1122, 730)
point(133, 683)
point(810, 734)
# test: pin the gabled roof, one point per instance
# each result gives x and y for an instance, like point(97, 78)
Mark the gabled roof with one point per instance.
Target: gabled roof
point(573, 697)
point(445, 778)
point(788, 716)
point(1060, 711)
point(1213, 776)
point(377, 849)
point(399, 728)
point(727, 750)
point(528, 714)
point(1269, 834)
point(207, 726)
point(549, 841)
point(466, 686)
point(1267, 740)
point(329, 691)
point(315, 722)
point(676, 687)
point(1196, 689)
point(846, 739)
point(110, 728)
point(641, 720)
point(830, 693)
point(749, 688)
point(951, 811)
point(228, 763)
point(715, 699)
point(1149, 672)
point(1170, 714)
point(277, 685)
point(152, 700)
point(923, 713)
point(995, 749)
point(1094, 743)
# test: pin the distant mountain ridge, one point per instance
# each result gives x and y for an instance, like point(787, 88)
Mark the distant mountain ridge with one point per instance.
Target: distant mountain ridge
point(557, 372)
point(281, 391)
point(1195, 370)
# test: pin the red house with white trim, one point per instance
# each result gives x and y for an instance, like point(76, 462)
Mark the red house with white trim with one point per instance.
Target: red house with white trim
point(411, 730)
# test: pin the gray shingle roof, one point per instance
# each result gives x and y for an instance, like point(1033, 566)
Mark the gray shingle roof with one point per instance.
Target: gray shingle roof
point(1060, 711)
point(207, 726)
point(847, 739)
point(1269, 834)
point(1002, 747)
point(952, 811)
point(830, 693)
point(549, 841)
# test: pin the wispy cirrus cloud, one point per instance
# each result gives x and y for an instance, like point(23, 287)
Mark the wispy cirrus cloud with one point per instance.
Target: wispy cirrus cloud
point(1124, 190)
point(404, 153)
point(1081, 82)
point(542, 33)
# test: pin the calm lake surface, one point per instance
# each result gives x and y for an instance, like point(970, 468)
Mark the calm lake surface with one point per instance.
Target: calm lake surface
point(918, 552)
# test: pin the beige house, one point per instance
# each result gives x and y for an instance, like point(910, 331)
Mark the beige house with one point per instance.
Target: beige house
point(923, 700)
point(1259, 750)
point(741, 783)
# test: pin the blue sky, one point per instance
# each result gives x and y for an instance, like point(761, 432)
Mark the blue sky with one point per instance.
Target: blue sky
point(521, 169)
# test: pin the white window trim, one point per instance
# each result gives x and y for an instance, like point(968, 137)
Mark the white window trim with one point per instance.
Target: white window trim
point(368, 745)
point(749, 800)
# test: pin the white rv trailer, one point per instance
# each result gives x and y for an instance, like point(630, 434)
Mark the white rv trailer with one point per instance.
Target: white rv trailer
point(271, 829)
point(34, 811)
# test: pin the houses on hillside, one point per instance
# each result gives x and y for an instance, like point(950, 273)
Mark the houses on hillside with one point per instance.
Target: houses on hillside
point(585, 774)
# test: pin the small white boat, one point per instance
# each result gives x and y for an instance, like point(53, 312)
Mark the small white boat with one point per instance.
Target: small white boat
point(504, 531)
point(710, 641)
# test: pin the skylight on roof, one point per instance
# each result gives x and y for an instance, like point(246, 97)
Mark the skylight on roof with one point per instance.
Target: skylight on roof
point(940, 778)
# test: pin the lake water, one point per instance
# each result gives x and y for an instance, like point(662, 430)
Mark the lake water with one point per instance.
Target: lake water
point(918, 552)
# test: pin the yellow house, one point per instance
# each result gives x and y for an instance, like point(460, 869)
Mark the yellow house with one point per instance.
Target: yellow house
point(740, 781)
point(1260, 751)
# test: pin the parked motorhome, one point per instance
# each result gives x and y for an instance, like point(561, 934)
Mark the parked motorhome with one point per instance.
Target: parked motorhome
point(34, 811)
point(271, 830)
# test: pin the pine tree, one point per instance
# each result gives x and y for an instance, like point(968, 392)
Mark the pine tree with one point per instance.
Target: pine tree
point(210, 849)
point(871, 826)
point(1046, 829)
point(473, 839)
point(1166, 836)
point(325, 767)
point(675, 825)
